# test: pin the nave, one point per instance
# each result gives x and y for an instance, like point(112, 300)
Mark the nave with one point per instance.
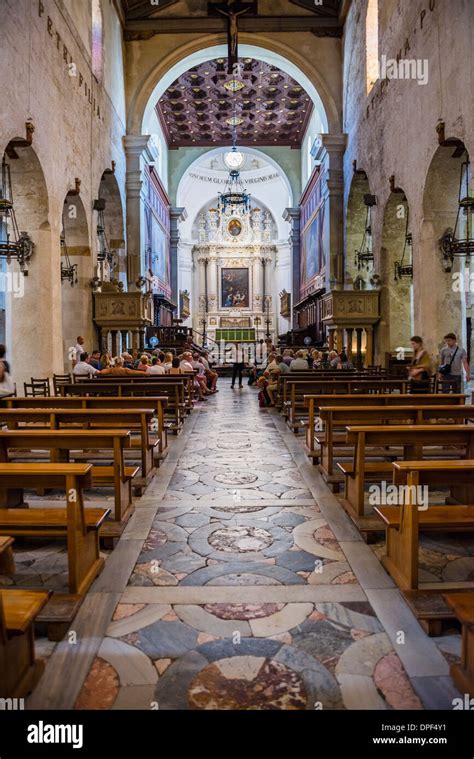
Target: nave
point(239, 583)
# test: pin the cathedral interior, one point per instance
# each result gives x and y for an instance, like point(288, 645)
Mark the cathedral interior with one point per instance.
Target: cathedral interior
point(235, 239)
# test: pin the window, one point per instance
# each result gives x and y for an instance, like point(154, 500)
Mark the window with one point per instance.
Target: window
point(372, 44)
point(97, 40)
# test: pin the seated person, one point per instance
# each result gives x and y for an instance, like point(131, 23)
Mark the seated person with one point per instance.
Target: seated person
point(333, 359)
point(143, 364)
point(211, 375)
point(300, 363)
point(200, 381)
point(168, 362)
point(127, 360)
point(279, 368)
point(119, 370)
point(175, 366)
point(83, 368)
point(156, 366)
point(186, 361)
point(94, 360)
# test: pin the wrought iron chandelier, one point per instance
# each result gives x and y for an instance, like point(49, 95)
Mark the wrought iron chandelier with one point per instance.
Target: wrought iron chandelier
point(68, 270)
point(104, 254)
point(458, 244)
point(235, 198)
point(364, 257)
point(405, 270)
point(15, 245)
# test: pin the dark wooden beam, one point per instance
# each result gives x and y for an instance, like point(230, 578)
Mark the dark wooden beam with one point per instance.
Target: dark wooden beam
point(329, 27)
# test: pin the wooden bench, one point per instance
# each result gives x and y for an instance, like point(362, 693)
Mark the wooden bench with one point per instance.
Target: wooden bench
point(19, 670)
point(294, 392)
point(176, 408)
point(61, 443)
point(404, 521)
point(80, 526)
point(316, 402)
point(125, 403)
point(403, 524)
point(138, 420)
point(412, 439)
point(7, 562)
point(337, 418)
point(462, 605)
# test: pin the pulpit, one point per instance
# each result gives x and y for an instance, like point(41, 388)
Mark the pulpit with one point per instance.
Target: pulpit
point(122, 318)
point(350, 316)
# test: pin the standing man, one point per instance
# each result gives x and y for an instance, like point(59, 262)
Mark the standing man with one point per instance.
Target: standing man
point(453, 359)
point(238, 367)
point(79, 348)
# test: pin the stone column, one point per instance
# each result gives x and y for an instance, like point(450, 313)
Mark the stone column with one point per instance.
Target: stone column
point(329, 149)
point(349, 333)
point(369, 346)
point(293, 216)
point(359, 347)
point(258, 282)
point(176, 216)
point(139, 151)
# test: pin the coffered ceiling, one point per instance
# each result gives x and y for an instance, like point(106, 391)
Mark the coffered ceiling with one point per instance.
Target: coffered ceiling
point(270, 109)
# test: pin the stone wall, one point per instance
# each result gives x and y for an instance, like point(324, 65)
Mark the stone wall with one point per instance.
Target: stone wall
point(79, 126)
point(392, 131)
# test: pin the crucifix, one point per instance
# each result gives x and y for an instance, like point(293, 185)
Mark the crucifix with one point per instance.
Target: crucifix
point(232, 31)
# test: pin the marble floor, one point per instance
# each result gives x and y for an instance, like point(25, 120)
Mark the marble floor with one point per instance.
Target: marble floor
point(239, 583)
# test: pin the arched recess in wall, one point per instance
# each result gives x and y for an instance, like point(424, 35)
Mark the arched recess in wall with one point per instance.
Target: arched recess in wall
point(285, 192)
point(396, 296)
point(440, 204)
point(114, 226)
point(356, 219)
point(29, 305)
point(200, 50)
point(76, 298)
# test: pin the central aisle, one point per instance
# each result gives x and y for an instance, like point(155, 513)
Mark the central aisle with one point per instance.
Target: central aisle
point(240, 596)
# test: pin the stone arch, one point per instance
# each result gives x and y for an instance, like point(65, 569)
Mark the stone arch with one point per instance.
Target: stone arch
point(445, 308)
point(214, 45)
point(114, 223)
point(355, 220)
point(77, 299)
point(31, 311)
point(396, 296)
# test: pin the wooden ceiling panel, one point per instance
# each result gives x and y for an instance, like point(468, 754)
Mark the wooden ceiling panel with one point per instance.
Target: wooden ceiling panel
point(271, 107)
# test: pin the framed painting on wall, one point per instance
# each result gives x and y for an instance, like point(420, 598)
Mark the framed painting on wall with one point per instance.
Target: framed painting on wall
point(235, 288)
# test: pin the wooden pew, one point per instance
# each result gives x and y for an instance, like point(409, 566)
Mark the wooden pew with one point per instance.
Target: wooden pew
point(340, 384)
point(61, 443)
point(19, 670)
point(462, 605)
point(337, 418)
point(78, 525)
point(403, 524)
point(295, 408)
point(156, 403)
point(7, 562)
point(55, 418)
point(413, 439)
point(174, 392)
point(187, 379)
point(316, 402)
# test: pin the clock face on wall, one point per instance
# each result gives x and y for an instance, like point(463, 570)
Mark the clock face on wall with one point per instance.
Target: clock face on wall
point(234, 227)
point(233, 159)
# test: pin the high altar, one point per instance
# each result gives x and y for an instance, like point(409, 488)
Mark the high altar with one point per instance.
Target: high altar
point(234, 265)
